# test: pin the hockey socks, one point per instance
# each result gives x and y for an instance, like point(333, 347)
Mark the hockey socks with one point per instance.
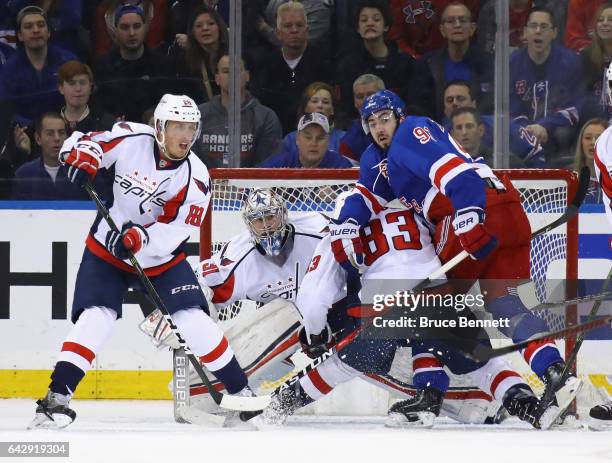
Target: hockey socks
point(523, 324)
point(206, 340)
point(428, 371)
point(89, 333)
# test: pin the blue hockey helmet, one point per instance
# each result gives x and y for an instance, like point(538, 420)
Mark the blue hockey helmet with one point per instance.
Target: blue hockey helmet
point(383, 99)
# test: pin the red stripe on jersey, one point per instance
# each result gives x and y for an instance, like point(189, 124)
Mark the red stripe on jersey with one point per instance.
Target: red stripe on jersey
point(534, 346)
point(223, 292)
point(318, 382)
point(100, 251)
point(105, 145)
point(500, 377)
point(426, 362)
point(445, 169)
point(172, 206)
point(79, 349)
point(604, 177)
point(368, 194)
point(216, 352)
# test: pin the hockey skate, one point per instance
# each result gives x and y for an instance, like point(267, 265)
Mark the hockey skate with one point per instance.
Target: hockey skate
point(283, 405)
point(520, 401)
point(52, 412)
point(563, 392)
point(601, 417)
point(420, 411)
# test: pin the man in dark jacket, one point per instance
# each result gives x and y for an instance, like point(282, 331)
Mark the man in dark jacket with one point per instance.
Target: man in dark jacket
point(260, 127)
point(281, 77)
point(131, 76)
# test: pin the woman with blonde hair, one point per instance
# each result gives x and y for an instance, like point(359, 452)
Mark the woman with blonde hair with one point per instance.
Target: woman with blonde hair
point(318, 97)
point(585, 152)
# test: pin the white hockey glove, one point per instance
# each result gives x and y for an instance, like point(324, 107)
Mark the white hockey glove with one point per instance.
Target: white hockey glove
point(157, 328)
point(346, 244)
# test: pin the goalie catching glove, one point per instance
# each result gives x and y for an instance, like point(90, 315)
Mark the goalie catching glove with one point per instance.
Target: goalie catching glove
point(83, 161)
point(468, 225)
point(133, 238)
point(315, 344)
point(346, 244)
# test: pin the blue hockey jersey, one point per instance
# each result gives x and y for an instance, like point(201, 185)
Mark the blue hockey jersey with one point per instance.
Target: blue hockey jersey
point(422, 161)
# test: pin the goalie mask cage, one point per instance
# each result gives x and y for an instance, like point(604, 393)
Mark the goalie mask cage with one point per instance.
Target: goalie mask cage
point(545, 194)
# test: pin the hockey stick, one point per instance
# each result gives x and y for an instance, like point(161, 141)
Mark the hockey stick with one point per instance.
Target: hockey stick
point(480, 353)
point(579, 300)
point(547, 398)
point(223, 400)
point(568, 214)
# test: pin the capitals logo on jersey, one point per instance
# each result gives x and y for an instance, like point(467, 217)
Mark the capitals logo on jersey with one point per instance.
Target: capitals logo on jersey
point(144, 188)
point(287, 289)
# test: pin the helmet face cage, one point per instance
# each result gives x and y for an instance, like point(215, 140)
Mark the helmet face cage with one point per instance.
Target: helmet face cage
point(265, 215)
point(178, 108)
point(379, 101)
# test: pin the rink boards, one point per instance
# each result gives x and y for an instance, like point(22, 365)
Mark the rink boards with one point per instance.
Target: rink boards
point(40, 250)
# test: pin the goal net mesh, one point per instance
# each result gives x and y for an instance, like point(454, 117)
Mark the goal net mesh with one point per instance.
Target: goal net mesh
point(544, 194)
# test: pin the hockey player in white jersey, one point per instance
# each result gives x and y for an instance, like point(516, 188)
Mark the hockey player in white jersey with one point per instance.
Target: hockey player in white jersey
point(397, 246)
point(160, 195)
point(602, 161)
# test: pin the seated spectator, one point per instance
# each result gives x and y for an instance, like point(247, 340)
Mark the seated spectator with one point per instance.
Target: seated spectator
point(260, 128)
point(131, 75)
point(105, 28)
point(545, 87)
point(460, 94)
point(28, 82)
point(180, 14)
point(318, 16)
point(355, 140)
point(318, 97)
point(44, 178)
point(416, 24)
point(467, 129)
point(311, 150)
point(596, 58)
point(194, 64)
point(75, 84)
point(457, 60)
point(580, 25)
point(64, 20)
point(373, 54)
point(585, 154)
point(280, 77)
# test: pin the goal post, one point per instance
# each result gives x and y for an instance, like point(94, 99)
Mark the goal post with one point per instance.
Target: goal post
point(545, 194)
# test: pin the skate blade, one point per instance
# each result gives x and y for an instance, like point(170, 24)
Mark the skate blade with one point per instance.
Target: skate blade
point(42, 421)
point(568, 392)
point(398, 420)
point(192, 415)
point(566, 424)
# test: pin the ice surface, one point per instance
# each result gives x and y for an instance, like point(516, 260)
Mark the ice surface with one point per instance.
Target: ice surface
point(145, 431)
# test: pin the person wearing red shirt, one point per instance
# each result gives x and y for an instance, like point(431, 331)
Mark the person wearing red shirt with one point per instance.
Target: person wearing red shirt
point(581, 23)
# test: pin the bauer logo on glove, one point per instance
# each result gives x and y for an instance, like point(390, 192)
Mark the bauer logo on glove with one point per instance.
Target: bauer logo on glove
point(468, 225)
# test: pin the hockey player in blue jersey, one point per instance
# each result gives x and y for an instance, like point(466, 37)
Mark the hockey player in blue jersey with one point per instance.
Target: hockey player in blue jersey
point(415, 160)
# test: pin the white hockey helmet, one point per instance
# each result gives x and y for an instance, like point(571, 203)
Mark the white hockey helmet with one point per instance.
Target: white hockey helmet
point(178, 108)
point(265, 215)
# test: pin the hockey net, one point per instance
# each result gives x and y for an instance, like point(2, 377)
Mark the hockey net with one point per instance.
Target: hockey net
point(545, 195)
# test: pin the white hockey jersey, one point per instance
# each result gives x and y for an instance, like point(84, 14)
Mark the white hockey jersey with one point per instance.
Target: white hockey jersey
point(397, 245)
point(603, 168)
point(168, 198)
point(239, 271)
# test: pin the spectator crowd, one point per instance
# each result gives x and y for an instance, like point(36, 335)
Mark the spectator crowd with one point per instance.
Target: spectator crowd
point(306, 68)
